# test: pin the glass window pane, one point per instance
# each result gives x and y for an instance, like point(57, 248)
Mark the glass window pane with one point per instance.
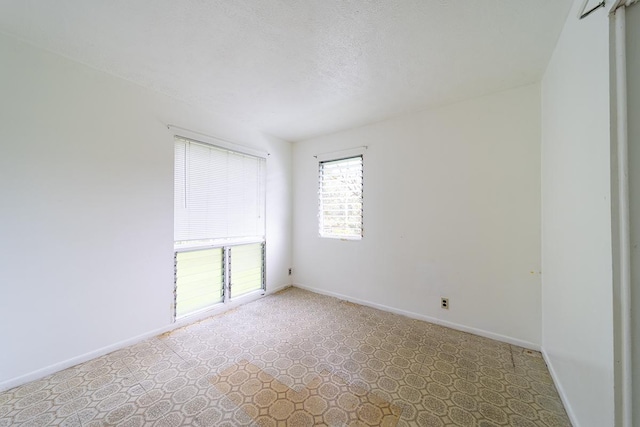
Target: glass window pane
point(199, 280)
point(246, 269)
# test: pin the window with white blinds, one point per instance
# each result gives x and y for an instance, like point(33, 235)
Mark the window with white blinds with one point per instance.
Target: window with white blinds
point(219, 194)
point(340, 198)
point(219, 225)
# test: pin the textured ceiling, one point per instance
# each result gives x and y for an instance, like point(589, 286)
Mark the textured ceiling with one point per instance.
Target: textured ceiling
point(301, 68)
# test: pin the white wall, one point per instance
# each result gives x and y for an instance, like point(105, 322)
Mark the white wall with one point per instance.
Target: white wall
point(86, 178)
point(633, 93)
point(451, 209)
point(577, 313)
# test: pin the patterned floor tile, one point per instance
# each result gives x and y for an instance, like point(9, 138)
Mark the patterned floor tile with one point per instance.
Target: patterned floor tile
point(300, 359)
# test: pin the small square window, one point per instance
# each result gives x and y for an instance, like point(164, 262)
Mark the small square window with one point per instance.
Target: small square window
point(340, 198)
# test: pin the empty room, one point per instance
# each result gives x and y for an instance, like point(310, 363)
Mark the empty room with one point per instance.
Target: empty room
point(319, 212)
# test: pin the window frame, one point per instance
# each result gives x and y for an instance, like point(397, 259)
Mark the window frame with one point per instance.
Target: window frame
point(227, 275)
point(226, 242)
point(322, 163)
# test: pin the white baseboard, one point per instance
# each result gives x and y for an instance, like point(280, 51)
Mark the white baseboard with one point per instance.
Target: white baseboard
point(278, 289)
point(561, 392)
point(452, 325)
point(51, 369)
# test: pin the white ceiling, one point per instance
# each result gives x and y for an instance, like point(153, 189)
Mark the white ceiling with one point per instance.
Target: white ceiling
point(301, 68)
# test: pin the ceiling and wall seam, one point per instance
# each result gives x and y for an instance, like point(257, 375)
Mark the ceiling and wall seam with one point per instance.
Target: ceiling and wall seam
point(304, 69)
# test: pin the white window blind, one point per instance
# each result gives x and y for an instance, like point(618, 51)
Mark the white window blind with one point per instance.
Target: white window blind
point(340, 198)
point(219, 194)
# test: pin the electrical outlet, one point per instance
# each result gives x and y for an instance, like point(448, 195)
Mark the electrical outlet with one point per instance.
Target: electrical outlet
point(444, 303)
point(290, 271)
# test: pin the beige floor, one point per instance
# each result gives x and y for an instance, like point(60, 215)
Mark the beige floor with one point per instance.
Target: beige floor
point(298, 358)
